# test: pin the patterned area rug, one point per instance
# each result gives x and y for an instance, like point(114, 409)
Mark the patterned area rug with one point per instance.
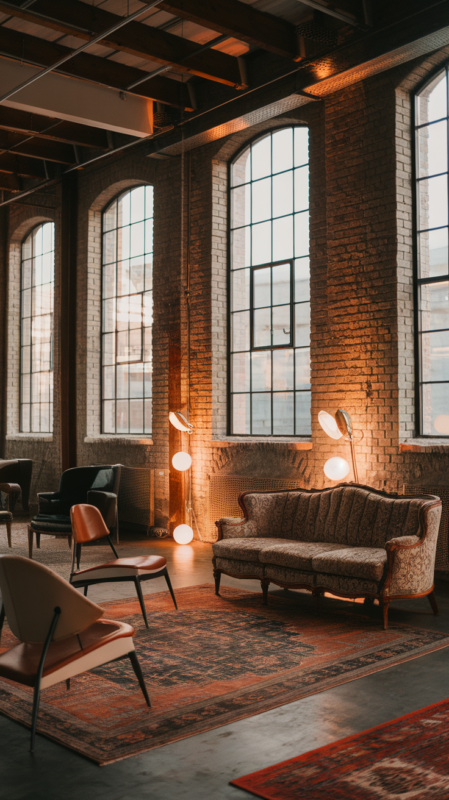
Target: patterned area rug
point(216, 660)
point(406, 759)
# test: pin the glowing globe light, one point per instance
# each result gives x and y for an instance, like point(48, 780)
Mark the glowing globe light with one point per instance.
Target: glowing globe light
point(181, 461)
point(336, 468)
point(183, 534)
point(441, 424)
point(329, 425)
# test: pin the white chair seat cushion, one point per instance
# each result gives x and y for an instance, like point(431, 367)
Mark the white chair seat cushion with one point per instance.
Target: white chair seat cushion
point(122, 568)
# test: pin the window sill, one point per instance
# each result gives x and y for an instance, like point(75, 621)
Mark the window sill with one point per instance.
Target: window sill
point(293, 444)
point(117, 439)
point(425, 446)
point(29, 437)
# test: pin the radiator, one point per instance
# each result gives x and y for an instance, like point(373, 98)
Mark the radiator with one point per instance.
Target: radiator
point(442, 557)
point(136, 497)
point(224, 491)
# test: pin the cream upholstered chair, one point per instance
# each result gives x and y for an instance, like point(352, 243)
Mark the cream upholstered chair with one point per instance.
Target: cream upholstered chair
point(88, 525)
point(60, 631)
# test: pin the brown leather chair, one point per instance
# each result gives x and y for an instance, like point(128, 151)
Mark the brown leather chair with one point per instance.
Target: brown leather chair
point(88, 525)
point(60, 631)
point(15, 481)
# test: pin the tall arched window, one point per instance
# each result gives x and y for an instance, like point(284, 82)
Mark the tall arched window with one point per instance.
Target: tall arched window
point(36, 330)
point(127, 313)
point(269, 286)
point(432, 296)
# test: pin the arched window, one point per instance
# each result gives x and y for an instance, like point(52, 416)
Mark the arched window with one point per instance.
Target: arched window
point(127, 313)
point(36, 330)
point(432, 296)
point(269, 302)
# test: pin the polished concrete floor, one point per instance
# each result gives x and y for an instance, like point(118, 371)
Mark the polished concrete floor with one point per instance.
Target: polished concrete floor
point(200, 768)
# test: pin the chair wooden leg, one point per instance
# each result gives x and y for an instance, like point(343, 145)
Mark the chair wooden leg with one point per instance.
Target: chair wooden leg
point(433, 603)
point(138, 672)
point(8, 533)
point(30, 542)
point(67, 683)
point(385, 604)
point(38, 540)
point(170, 588)
point(69, 541)
point(265, 584)
point(141, 600)
point(217, 576)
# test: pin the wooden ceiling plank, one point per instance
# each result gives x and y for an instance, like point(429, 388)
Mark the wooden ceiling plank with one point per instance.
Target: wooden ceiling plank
point(144, 41)
point(240, 21)
point(32, 50)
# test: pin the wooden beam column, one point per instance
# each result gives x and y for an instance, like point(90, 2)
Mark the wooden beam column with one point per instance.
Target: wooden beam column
point(67, 323)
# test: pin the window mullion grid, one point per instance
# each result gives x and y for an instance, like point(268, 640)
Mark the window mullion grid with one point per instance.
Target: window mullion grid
point(251, 291)
point(292, 287)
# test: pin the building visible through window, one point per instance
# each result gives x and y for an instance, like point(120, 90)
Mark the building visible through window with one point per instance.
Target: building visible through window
point(36, 330)
point(127, 313)
point(269, 287)
point(431, 141)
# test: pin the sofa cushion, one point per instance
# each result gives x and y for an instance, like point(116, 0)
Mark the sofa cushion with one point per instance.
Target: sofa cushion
point(295, 555)
point(344, 585)
point(241, 569)
point(242, 549)
point(367, 563)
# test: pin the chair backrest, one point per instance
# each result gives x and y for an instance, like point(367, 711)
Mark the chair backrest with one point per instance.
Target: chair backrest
point(31, 592)
point(9, 471)
point(77, 481)
point(87, 523)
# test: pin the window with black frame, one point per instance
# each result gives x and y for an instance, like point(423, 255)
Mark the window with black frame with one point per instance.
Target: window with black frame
point(127, 313)
point(431, 148)
point(269, 301)
point(36, 330)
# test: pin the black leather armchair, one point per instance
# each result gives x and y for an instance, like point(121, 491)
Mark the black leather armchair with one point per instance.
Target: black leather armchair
point(97, 486)
point(15, 481)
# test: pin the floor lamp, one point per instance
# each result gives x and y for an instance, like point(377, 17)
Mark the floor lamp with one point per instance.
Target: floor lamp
point(336, 427)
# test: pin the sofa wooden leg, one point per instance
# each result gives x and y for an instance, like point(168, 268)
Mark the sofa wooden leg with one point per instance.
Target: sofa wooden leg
point(217, 576)
point(8, 533)
point(265, 584)
point(433, 603)
point(385, 604)
point(30, 542)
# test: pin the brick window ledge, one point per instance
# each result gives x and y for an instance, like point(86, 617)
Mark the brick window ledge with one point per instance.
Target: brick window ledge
point(294, 444)
point(424, 446)
point(29, 437)
point(117, 439)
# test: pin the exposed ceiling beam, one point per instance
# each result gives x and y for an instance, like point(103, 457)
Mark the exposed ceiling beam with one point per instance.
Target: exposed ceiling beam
point(13, 119)
point(37, 148)
point(334, 10)
point(20, 165)
point(144, 41)
point(240, 21)
point(39, 52)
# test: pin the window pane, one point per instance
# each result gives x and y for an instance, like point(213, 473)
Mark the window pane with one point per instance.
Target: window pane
point(432, 149)
point(302, 323)
point(261, 158)
point(135, 310)
point(301, 189)
point(282, 370)
point(283, 414)
point(137, 274)
point(122, 421)
point(433, 253)
point(109, 348)
point(240, 331)
point(282, 194)
point(301, 137)
point(435, 403)
point(148, 416)
point(240, 206)
point(108, 382)
point(241, 248)
point(136, 380)
point(26, 273)
point(432, 101)
point(302, 279)
point(122, 313)
point(109, 243)
point(109, 416)
point(109, 280)
point(240, 290)
point(261, 414)
point(302, 234)
point(137, 204)
point(302, 369)
point(109, 315)
point(122, 346)
point(148, 271)
point(435, 356)
point(261, 371)
point(240, 171)
point(303, 421)
point(25, 418)
point(261, 200)
point(135, 344)
point(110, 217)
point(123, 243)
point(137, 239)
point(432, 202)
point(281, 325)
point(135, 416)
point(262, 287)
point(282, 238)
point(148, 380)
point(434, 306)
point(261, 243)
point(124, 210)
point(240, 372)
point(123, 277)
point(282, 150)
point(262, 327)
point(25, 388)
point(122, 374)
point(148, 344)
point(147, 309)
point(281, 284)
point(241, 413)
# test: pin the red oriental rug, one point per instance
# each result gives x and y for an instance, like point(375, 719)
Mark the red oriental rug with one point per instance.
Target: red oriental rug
point(214, 661)
point(406, 759)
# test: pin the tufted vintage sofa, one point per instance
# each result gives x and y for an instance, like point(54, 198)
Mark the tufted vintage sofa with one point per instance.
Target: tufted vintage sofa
point(350, 540)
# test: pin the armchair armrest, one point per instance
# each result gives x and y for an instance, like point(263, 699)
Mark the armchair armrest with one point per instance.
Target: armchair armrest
point(236, 528)
point(49, 502)
point(13, 491)
point(411, 559)
point(106, 502)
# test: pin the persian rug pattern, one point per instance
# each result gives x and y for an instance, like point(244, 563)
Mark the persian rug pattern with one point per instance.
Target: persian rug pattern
point(214, 661)
point(405, 759)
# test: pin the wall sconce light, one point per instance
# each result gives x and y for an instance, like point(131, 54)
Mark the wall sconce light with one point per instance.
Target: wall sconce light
point(336, 427)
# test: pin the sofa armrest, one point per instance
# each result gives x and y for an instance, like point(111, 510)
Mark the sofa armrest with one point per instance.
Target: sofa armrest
point(236, 528)
point(49, 502)
point(106, 502)
point(411, 559)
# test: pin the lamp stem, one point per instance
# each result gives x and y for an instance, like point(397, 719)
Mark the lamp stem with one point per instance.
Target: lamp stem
point(354, 462)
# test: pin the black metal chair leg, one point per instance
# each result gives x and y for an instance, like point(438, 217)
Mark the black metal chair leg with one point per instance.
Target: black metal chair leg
point(141, 600)
point(85, 591)
point(36, 700)
point(170, 588)
point(138, 672)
